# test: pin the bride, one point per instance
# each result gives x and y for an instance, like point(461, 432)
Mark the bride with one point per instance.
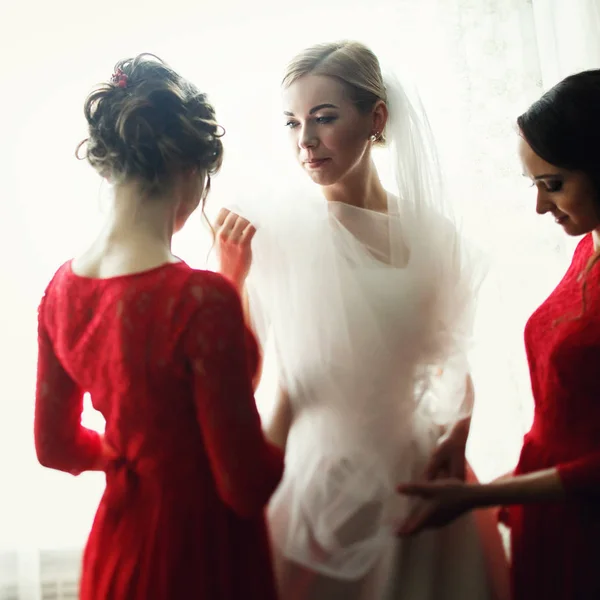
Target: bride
point(369, 299)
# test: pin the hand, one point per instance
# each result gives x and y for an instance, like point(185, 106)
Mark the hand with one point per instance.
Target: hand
point(234, 238)
point(448, 458)
point(443, 501)
point(107, 455)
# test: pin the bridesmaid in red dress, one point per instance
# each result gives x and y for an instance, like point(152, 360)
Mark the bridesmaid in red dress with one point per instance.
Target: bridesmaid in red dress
point(552, 500)
point(165, 354)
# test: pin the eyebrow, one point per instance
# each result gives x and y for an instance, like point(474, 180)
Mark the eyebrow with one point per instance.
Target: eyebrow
point(547, 176)
point(313, 110)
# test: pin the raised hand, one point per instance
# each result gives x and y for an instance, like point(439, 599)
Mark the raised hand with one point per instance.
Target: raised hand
point(234, 238)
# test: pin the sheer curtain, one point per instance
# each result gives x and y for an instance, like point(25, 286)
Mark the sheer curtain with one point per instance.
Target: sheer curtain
point(477, 65)
point(568, 40)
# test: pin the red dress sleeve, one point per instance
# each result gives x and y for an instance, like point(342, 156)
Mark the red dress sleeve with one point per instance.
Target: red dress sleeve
point(582, 475)
point(222, 355)
point(61, 441)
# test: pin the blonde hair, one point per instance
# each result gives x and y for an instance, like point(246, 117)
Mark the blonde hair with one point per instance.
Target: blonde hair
point(351, 63)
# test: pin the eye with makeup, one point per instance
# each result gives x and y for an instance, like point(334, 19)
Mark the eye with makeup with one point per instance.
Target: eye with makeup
point(551, 185)
point(554, 185)
point(322, 120)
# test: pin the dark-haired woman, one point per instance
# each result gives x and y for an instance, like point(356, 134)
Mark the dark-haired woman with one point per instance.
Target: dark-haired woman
point(553, 498)
point(164, 353)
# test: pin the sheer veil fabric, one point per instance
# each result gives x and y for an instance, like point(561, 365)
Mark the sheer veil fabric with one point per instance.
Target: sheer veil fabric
point(371, 316)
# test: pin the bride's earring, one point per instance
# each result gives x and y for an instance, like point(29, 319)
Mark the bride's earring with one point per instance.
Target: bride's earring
point(375, 136)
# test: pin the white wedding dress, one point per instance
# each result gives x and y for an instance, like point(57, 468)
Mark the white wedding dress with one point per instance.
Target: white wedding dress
point(371, 317)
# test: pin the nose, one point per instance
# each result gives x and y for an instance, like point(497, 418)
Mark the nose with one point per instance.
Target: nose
point(307, 138)
point(543, 203)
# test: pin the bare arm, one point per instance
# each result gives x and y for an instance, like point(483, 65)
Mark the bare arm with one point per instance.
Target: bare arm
point(279, 427)
point(448, 459)
point(234, 239)
point(248, 321)
point(234, 242)
point(539, 486)
point(447, 499)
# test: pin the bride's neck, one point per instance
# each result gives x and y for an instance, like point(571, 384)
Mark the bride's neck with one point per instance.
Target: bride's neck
point(361, 188)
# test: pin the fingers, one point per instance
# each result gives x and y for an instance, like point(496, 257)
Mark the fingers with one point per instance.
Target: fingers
point(443, 473)
point(458, 467)
point(433, 467)
point(416, 521)
point(227, 224)
point(422, 490)
point(237, 230)
point(233, 228)
point(223, 214)
point(248, 234)
point(439, 465)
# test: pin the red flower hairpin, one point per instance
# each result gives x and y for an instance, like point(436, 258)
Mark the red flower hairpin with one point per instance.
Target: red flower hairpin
point(119, 78)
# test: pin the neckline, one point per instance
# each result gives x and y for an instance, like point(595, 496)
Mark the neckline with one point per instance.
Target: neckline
point(389, 220)
point(132, 275)
point(387, 213)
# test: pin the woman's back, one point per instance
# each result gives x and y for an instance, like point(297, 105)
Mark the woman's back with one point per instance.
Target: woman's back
point(167, 360)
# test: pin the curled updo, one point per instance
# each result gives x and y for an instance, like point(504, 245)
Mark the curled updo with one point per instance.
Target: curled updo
point(353, 64)
point(148, 124)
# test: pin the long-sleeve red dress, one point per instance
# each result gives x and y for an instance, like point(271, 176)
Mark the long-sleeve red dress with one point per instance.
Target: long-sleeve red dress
point(556, 546)
point(167, 360)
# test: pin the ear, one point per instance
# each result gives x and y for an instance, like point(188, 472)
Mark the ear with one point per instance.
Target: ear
point(379, 116)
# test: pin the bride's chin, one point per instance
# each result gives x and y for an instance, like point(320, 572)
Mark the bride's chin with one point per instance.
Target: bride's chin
point(323, 179)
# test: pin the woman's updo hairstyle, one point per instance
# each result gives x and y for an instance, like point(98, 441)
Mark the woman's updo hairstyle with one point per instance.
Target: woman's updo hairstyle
point(148, 124)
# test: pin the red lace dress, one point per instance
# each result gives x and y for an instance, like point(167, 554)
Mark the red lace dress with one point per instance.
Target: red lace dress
point(556, 547)
point(167, 360)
